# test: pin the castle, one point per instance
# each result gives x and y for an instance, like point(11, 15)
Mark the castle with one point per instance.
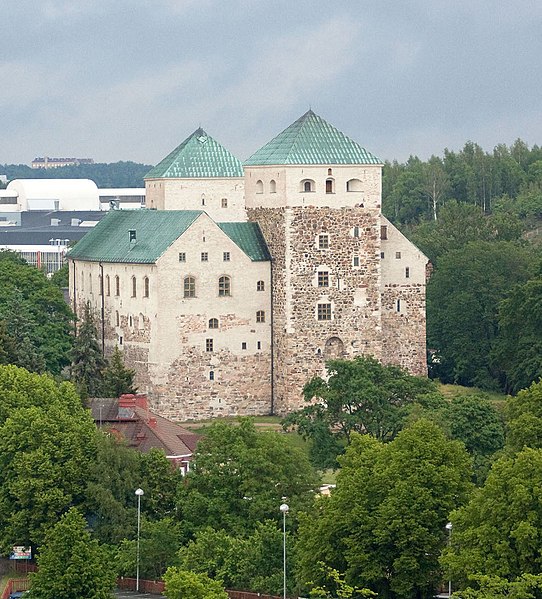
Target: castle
point(239, 281)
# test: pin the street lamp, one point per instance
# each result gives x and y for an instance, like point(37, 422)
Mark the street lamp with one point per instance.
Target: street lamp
point(449, 527)
point(284, 509)
point(139, 493)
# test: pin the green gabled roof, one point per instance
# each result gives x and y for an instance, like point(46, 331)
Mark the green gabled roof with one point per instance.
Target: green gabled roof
point(311, 140)
point(198, 157)
point(155, 231)
point(249, 238)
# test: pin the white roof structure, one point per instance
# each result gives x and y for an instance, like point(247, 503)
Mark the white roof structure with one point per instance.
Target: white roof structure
point(54, 194)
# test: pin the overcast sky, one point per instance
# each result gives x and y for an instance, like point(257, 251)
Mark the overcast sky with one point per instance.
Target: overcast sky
point(130, 79)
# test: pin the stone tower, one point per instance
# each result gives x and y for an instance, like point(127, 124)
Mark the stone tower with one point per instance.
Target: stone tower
point(316, 195)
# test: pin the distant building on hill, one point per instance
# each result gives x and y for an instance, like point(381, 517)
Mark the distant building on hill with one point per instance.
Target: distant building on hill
point(48, 162)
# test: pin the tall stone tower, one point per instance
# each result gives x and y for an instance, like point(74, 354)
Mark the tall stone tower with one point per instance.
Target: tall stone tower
point(316, 195)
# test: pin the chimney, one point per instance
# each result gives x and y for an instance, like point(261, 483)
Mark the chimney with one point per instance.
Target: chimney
point(127, 405)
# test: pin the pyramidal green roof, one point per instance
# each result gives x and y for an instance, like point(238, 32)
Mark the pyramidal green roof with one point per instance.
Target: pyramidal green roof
point(198, 157)
point(311, 140)
point(156, 230)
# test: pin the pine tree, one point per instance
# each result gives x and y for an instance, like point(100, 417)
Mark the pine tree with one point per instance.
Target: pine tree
point(88, 361)
point(117, 379)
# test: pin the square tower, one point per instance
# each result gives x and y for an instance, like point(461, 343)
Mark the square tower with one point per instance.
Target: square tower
point(316, 195)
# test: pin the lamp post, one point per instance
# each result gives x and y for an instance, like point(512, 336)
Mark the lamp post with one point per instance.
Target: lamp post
point(449, 527)
point(284, 509)
point(139, 493)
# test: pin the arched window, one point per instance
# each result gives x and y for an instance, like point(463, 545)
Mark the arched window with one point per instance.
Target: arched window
point(213, 323)
point(107, 285)
point(141, 322)
point(224, 286)
point(272, 186)
point(260, 286)
point(260, 316)
point(353, 185)
point(189, 287)
point(307, 185)
point(330, 186)
point(146, 287)
point(329, 172)
point(134, 287)
point(259, 186)
point(117, 286)
point(203, 199)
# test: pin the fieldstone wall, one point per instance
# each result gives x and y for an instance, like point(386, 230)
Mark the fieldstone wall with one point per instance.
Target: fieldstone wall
point(302, 342)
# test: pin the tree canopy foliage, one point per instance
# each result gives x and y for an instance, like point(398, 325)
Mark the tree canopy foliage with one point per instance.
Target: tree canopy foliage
point(360, 395)
point(383, 526)
point(72, 563)
point(35, 321)
point(114, 174)
point(239, 477)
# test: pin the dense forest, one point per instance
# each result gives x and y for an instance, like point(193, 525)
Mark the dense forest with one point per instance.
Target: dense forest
point(477, 216)
point(115, 174)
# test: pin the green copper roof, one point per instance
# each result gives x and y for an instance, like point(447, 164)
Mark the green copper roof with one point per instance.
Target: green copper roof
point(198, 157)
point(156, 230)
point(249, 238)
point(311, 140)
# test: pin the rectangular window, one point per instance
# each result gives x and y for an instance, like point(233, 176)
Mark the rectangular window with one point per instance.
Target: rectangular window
point(398, 255)
point(182, 257)
point(209, 345)
point(323, 278)
point(259, 345)
point(407, 273)
point(224, 202)
point(244, 345)
point(384, 232)
point(398, 306)
point(324, 311)
point(204, 257)
point(356, 261)
point(226, 256)
point(212, 375)
point(260, 316)
point(382, 255)
point(323, 241)
point(356, 231)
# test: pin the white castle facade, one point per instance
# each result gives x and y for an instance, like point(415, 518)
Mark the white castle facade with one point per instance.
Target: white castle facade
point(239, 281)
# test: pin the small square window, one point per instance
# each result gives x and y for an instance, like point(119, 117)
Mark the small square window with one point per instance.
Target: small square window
point(398, 255)
point(209, 345)
point(182, 257)
point(204, 257)
point(324, 311)
point(407, 273)
point(323, 278)
point(323, 241)
point(356, 261)
point(244, 345)
point(226, 256)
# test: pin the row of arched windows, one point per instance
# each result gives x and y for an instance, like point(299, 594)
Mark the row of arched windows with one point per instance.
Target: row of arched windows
point(309, 185)
point(224, 286)
point(112, 284)
point(272, 186)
